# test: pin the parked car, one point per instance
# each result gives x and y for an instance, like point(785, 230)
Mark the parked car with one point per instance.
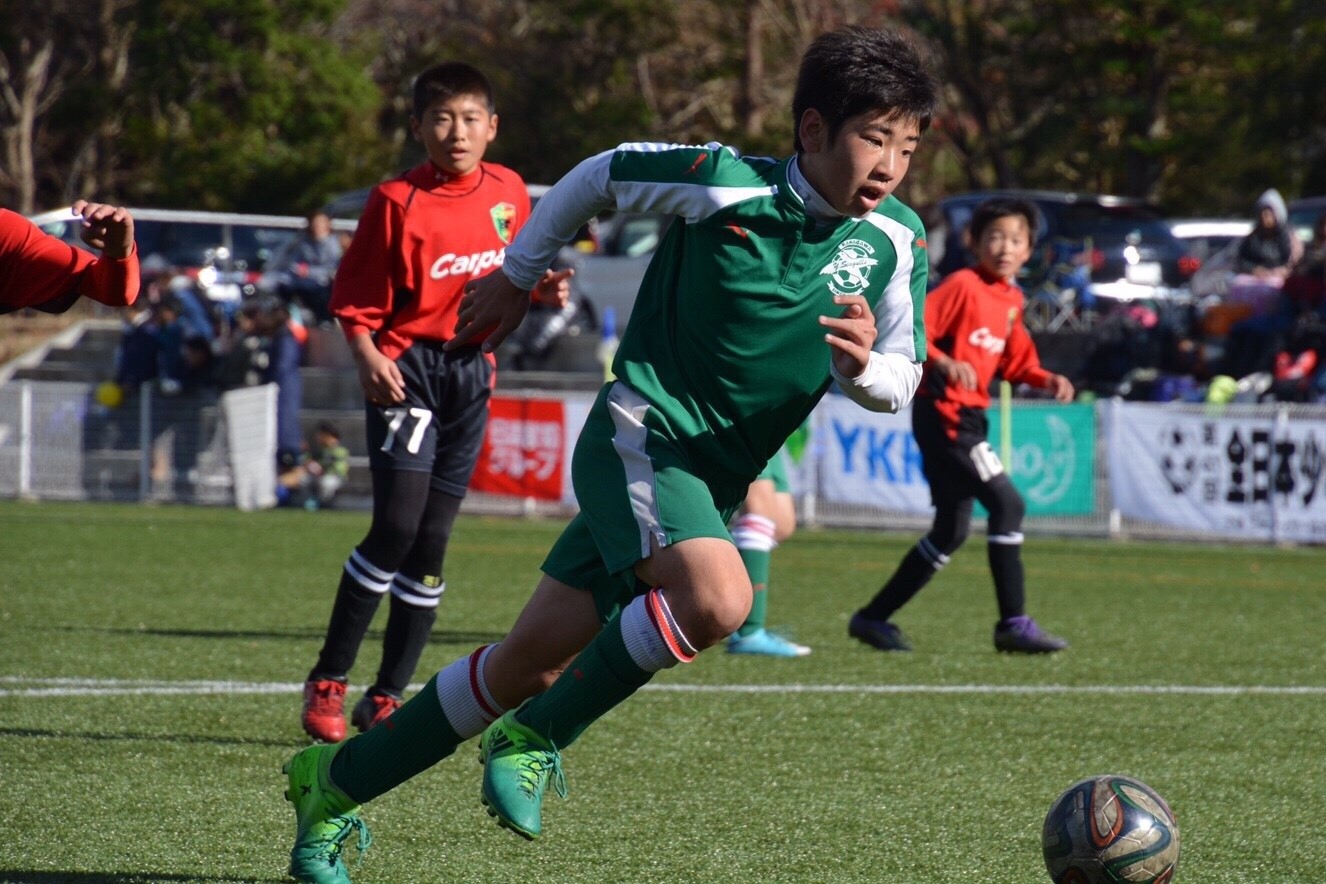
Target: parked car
point(1129, 239)
point(1303, 215)
point(1206, 236)
point(186, 241)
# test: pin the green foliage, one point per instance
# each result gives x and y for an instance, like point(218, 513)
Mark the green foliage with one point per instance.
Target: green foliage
point(848, 765)
point(271, 105)
point(247, 106)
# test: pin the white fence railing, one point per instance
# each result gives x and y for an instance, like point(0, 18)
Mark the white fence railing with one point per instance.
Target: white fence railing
point(1250, 473)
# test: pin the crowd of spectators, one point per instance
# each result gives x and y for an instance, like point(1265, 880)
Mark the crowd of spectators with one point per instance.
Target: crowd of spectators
point(189, 348)
point(1263, 338)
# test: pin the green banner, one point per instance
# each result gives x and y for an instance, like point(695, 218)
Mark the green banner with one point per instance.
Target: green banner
point(1053, 457)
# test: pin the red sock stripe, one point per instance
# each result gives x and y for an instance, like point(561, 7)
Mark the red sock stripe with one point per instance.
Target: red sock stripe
point(656, 607)
point(489, 712)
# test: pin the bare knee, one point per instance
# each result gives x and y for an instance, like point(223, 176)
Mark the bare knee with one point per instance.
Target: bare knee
point(705, 585)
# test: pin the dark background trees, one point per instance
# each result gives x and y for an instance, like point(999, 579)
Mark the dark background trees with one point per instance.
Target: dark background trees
point(272, 105)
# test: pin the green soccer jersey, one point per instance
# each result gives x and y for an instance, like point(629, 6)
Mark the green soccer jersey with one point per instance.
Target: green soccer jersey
point(724, 339)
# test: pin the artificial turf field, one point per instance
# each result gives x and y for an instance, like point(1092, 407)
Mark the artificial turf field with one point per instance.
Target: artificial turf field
point(150, 661)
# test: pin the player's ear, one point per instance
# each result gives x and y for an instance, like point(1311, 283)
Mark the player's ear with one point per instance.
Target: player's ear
point(812, 131)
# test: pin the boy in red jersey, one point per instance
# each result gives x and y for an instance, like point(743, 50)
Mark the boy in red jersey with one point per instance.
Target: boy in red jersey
point(974, 330)
point(43, 272)
point(421, 238)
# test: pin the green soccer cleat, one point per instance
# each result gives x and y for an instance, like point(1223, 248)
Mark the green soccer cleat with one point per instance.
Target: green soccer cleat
point(517, 766)
point(324, 818)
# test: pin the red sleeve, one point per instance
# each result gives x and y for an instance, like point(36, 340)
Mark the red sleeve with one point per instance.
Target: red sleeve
point(36, 267)
point(365, 284)
point(943, 308)
point(1021, 363)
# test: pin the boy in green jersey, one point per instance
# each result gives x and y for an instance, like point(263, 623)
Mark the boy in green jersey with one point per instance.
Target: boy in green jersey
point(780, 277)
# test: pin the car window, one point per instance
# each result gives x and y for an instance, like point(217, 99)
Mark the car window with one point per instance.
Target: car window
point(1113, 222)
point(255, 246)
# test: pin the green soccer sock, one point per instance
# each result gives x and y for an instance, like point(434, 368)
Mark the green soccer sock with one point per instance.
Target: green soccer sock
point(601, 677)
point(416, 737)
point(757, 566)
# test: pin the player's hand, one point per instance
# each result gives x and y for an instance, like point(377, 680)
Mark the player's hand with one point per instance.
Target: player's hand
point(491, 305)
point(380, 377)
point(851, 335)
point(108, 229)
point(959, 374)
point(1062, 388)
point(555, 287)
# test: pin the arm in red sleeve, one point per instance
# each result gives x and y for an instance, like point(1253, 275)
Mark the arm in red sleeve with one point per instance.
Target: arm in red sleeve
point(39, 269)
point(112, 281)
point(1021, 363)
point(363, 292)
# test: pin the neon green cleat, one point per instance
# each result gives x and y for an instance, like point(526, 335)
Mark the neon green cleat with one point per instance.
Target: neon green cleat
point(517, 766)
point(324, 818)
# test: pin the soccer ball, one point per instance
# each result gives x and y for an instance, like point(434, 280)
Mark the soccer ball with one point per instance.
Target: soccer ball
point(1109, 829)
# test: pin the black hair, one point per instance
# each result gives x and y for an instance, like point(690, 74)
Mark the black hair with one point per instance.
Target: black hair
point(991, 210)
point(447, 80)
point(329, 428)
point(856, 69)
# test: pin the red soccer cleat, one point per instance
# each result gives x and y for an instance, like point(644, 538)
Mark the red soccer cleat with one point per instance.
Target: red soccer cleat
point(324, 710)
point(372, 710)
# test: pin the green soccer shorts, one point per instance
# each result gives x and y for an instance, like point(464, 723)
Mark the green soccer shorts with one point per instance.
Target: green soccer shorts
point(634, 485)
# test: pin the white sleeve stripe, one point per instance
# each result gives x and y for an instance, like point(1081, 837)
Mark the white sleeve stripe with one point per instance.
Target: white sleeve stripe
point(693, 202)
point(580, 195)
point(895, 317)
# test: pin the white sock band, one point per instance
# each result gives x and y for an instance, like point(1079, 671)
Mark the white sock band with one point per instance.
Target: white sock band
point(368, 575)
point(1012, 538)
point(754, 532)
point(651, 635)
point(464, 697)
point(416, 593)
point(931, 553)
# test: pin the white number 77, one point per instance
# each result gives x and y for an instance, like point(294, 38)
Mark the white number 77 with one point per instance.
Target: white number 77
point(397, 417)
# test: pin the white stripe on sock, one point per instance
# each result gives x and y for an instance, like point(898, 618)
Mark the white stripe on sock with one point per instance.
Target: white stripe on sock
point(931, 553)
point(468, 713)
point(368, 575)
point(754, 532)
point(416, 593)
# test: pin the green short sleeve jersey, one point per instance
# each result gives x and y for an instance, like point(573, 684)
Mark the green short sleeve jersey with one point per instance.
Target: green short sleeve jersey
point(724, 340)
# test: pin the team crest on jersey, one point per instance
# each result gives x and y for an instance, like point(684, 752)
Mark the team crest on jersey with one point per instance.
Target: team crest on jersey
point(849, 271)
point(504, 219)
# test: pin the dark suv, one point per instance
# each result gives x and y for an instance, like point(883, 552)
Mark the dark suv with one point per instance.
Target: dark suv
point(1130, 240)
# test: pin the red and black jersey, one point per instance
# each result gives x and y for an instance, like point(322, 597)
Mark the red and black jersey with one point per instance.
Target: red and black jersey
point(421, 238)
point(974, 317)
point(43, 271)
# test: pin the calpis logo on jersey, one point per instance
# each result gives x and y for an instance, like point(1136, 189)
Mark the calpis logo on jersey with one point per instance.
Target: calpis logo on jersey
point(504, 220)
point(986, 340)
point(849, 271)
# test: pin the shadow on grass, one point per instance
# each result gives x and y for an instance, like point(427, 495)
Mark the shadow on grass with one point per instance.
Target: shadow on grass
point(438, 637)
point(295, 742)
point(27, 876)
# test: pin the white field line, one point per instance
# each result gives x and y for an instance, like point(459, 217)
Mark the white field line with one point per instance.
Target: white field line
point(20, 686)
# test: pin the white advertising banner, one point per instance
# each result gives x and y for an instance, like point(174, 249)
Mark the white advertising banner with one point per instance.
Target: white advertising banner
point(1255, 476)
point(867, 458)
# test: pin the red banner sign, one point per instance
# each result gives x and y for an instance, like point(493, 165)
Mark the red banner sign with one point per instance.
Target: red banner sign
point(524, 450)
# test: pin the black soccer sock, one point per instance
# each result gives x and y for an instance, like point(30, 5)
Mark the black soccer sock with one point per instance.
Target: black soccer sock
point(912, 574)
point(408, 629)
point(1009, 580)
point(351, 615)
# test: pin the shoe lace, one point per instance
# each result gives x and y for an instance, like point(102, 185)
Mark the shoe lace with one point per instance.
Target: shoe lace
point(334, 846)
point(326, 697)
point(537, 768)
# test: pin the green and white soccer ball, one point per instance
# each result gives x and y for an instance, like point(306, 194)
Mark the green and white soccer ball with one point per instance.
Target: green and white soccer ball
point(1110, 829)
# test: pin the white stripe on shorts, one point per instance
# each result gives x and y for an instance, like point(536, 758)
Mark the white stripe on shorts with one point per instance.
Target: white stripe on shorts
point(628, 411)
